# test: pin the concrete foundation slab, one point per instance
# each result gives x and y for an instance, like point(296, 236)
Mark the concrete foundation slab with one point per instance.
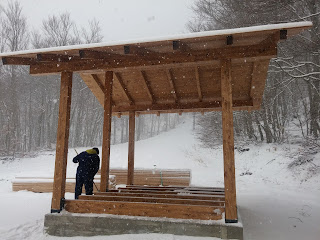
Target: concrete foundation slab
point(69, 225)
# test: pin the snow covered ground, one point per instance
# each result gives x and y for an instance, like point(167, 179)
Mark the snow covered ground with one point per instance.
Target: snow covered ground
point(275, 202)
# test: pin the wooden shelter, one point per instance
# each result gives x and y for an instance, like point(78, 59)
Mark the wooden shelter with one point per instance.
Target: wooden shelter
point(222, 70)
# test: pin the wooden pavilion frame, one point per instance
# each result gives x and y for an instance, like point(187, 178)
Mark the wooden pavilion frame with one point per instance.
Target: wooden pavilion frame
point(221, 70)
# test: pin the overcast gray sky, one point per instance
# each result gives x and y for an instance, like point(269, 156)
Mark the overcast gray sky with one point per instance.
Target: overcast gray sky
point(119, 19)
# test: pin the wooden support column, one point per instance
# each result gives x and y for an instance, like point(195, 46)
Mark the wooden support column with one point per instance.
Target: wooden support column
point(132, 120)
point(228, 143)
point(59, 183)
point(105, 162)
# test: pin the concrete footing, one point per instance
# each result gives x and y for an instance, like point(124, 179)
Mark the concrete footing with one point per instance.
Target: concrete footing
point(69, 225)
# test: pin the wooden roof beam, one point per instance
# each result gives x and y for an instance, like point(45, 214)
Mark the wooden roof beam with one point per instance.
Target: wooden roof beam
point(101, 86)
point(47, 57)
point(122, 61)
point(180, 106)
point(18, 61)
point(91, 54)
point(124, 88)
point(147, 86)
point(136, 50)
point(198, 83)
point(172, 85)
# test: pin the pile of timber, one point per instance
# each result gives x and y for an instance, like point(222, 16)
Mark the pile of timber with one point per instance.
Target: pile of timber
point(164, 177)
point(154, 201)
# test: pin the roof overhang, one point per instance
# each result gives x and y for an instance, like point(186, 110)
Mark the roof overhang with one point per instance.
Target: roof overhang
point(172, 74)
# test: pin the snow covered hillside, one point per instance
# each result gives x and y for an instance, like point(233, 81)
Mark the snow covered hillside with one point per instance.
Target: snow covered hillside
point(275, 202)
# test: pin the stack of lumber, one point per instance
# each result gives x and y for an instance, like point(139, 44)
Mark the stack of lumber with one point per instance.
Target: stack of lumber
point(164, 177)
point(154, 201)
point(158, 177)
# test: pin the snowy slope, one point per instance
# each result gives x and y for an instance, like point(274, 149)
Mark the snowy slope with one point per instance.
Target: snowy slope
point(274, 201)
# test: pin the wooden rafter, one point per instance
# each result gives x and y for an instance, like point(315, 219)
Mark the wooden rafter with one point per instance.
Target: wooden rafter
point(198, 83)
point(124, 88)
point(172, 85)
point(98, 82)
point(147, 86)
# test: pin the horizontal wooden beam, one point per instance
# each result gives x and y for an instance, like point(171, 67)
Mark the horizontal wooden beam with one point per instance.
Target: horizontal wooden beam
point(18, 61)
point(153, 200)
point(172, 192)
point(182, 211)
point(136, 50)
point(179, 106)
point(48, 57)
point(119, 61)
point(91, 54)
point(218, 197)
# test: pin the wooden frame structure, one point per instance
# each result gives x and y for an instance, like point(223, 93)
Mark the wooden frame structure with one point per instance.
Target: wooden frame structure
point(222, 70)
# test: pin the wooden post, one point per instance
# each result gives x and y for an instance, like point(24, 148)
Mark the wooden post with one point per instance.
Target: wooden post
point(131, 148)
point(59, 183)
point(228, 143)
point(105, 162)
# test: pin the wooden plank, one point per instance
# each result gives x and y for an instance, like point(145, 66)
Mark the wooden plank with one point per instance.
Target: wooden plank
point(132, 120)
point(217, 197)
point(155, 60)
point(165, 188)
point(62, 141)
point(198, 83)
point(105, 163)
point(18, 61)
point(172, 85)
point(147, 86)
point(228, 142)
point(124, 88)
point(180, 106)
point(145, 209)
point(47, 57)
point(153, 200)
point(173, 192)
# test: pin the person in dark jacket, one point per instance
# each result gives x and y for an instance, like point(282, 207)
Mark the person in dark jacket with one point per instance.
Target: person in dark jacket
point(89, 163)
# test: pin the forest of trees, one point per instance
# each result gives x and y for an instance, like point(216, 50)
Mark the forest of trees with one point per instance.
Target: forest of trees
point(290, 107)
point(29, 105)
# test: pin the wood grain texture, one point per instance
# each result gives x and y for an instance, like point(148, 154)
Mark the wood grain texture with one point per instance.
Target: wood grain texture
point(228, 141)
point(145, 209)
point(62, 140)
point(153, 200)
point(105, 163)
point(132, 121)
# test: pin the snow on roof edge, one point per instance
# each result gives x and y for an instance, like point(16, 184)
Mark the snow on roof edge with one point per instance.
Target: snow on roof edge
point(165, 38)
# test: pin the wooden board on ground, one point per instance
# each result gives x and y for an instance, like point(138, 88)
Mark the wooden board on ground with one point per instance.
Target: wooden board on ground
point(117, 176)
